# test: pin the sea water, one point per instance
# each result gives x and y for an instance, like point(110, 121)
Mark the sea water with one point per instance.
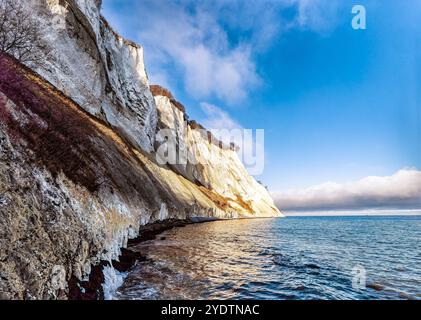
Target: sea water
point(291, 258)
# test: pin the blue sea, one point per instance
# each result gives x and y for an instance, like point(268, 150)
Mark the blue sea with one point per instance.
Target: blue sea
point(291, 258)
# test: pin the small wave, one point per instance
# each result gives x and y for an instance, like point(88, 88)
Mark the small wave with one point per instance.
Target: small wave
point(267, 252)
point(285, 261)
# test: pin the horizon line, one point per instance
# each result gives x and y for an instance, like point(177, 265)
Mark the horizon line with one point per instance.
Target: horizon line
point(362, 212)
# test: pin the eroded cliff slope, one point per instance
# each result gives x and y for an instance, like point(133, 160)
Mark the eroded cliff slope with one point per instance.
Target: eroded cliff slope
point(78, 167)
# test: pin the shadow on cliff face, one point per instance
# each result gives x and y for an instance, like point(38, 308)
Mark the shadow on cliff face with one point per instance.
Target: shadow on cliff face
point(64, 138)
point(60, 140)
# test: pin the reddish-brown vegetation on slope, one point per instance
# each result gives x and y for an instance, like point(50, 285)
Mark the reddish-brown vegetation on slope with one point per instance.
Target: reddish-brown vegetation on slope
point(157, 90)
point(64, 138)
point(56, 135)
point(225, 203)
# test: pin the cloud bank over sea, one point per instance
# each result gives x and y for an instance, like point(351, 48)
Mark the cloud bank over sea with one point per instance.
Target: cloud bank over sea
point(398, 192)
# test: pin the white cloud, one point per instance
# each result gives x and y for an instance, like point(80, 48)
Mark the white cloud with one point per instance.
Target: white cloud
point(211, 46)
point(193, 43)
point(317, 15)
point(401, 190)
point(217, 118)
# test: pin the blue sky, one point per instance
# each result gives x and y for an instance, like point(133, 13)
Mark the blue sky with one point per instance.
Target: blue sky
point(337, 104)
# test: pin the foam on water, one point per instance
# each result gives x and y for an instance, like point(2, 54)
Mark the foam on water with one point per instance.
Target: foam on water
point(113, 279)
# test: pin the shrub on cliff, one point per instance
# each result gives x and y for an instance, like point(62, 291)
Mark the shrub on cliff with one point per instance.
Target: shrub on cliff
point(157, 90)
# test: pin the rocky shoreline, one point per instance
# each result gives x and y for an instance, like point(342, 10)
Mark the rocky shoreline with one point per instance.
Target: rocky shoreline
point(93, 288)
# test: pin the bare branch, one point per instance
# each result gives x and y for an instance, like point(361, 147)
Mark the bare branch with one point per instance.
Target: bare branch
point(20, 35)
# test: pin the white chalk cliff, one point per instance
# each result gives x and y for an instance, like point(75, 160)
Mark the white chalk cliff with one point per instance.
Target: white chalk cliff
point(78, 141)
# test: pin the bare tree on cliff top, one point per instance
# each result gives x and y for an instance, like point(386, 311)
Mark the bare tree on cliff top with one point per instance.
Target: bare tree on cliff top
point(20, 35)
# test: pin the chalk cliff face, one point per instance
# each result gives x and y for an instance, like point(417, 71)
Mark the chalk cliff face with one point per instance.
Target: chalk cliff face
point(209, 164)
point(98, 69)
point(79, 166)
